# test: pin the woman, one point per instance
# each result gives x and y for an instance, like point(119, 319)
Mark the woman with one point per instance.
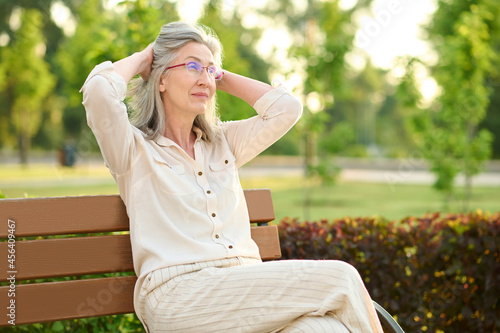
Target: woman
point(176, 167)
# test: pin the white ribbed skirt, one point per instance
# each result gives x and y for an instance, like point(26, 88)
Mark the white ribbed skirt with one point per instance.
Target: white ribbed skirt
point(247, 295)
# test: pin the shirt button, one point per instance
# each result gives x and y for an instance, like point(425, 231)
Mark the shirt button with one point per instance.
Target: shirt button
point(217, 236)
point(208, 192)
point(226, 161)
point(230, 246)
point(200, 173)
point(213, 214)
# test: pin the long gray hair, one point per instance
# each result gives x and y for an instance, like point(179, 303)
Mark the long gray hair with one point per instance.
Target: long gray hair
point(148, 113)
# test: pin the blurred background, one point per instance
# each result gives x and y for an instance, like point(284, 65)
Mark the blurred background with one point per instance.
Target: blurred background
point(401, 98)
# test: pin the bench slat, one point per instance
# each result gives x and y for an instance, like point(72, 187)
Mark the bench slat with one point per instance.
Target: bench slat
point(267, 240)
point(75, 256)
point(94, 214)
point(42, 302)
point(260, 205)
point(64, 215)
point(47, 258)
point(70, 256)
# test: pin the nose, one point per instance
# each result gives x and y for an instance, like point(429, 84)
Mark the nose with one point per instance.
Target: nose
point(204, 78)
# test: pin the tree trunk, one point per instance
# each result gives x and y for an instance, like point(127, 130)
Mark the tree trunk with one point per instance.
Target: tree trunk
point(310, 163)
point(24, 139)
point(468, 192)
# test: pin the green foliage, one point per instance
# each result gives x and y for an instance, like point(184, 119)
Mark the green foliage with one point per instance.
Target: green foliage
point(112, 36)
point(326, 171)
point(322, 35)
point(127, 323)
point(27, 82)
point(339, 139)
point(434, 273)
point(238, 57)
point(464, 33)
point(449, 136)
point(289, 144)
point(101, 34)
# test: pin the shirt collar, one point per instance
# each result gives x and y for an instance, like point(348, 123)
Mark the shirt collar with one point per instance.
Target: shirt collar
point(166, 142)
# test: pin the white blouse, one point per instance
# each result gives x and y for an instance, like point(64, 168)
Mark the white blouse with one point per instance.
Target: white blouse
point(182, 210)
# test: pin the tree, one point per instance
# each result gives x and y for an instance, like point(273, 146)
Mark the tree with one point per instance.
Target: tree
point(491, 121)
point(108, 35)
point(28, 81)
point(322, 34)
point(461, 35)
point(239, 58)
point(50, 129)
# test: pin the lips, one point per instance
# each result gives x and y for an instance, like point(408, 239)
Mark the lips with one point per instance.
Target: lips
point(201, 95)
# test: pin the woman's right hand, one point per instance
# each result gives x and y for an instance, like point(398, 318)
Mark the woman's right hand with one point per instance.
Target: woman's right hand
point(147, 55)
point(138, 63)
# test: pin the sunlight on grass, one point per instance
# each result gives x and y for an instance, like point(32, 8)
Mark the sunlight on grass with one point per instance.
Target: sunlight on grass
point(392, 201)
point(14, 172)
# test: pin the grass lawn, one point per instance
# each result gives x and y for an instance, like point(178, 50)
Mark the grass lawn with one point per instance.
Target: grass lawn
point(344, 199)
point(368, 199)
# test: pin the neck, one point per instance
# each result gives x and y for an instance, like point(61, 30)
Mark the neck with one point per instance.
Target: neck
point(181, 132)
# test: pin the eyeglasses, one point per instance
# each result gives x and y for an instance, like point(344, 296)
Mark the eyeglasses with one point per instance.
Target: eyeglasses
point(194, 68)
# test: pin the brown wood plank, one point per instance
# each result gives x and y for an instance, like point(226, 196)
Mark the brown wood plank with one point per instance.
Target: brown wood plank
point(69, 256)
point(267, 239)
point(59, 257)
point(42, 302)
point(51, 301)
point(92, 214)
point(87, 255)
point(64, 215)
point(260, 205)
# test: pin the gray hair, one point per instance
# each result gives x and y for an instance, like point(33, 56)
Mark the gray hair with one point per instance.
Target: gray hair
point(148, 113)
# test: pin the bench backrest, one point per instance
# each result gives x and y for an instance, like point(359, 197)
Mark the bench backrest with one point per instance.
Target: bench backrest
point(58, 245)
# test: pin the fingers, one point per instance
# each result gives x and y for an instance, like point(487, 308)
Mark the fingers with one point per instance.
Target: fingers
point(147, 55)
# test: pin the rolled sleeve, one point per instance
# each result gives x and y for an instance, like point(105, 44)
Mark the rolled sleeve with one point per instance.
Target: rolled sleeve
point(103, 95)
point(277, 112)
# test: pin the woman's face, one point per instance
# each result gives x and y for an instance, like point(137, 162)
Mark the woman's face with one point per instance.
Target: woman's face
point(185, 94)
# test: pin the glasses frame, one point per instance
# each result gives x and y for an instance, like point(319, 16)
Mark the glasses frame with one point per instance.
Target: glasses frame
point(216, 71)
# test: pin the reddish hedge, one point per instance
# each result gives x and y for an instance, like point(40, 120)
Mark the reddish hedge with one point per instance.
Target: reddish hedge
point(434, 273)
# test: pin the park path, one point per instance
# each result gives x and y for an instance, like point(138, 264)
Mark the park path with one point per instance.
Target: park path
point(388, 171)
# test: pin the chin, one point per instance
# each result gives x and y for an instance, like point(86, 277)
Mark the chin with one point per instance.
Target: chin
point(200, 109)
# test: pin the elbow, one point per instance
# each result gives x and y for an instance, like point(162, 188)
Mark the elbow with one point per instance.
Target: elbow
point(97, 98)
point(95, 89)
point(294, 108)
point(298, 109)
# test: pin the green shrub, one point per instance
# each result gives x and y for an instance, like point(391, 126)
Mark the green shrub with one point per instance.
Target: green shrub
point(127, 323)
point(435, 273)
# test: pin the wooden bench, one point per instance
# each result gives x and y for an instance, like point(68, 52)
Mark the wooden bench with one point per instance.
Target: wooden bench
point(82, 236)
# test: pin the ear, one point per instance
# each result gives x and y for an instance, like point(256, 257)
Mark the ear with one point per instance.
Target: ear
point(162, 87)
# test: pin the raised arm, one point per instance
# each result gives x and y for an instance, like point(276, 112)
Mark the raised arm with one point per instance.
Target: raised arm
point(277, 111)
point(137, 63)
point(103, 95)
point(242, 87)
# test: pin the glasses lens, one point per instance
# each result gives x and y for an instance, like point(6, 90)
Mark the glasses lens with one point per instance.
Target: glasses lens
point(194, 68)
point(215, 72)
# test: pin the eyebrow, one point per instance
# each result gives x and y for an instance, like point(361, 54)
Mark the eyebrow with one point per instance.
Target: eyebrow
point(198, 59)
